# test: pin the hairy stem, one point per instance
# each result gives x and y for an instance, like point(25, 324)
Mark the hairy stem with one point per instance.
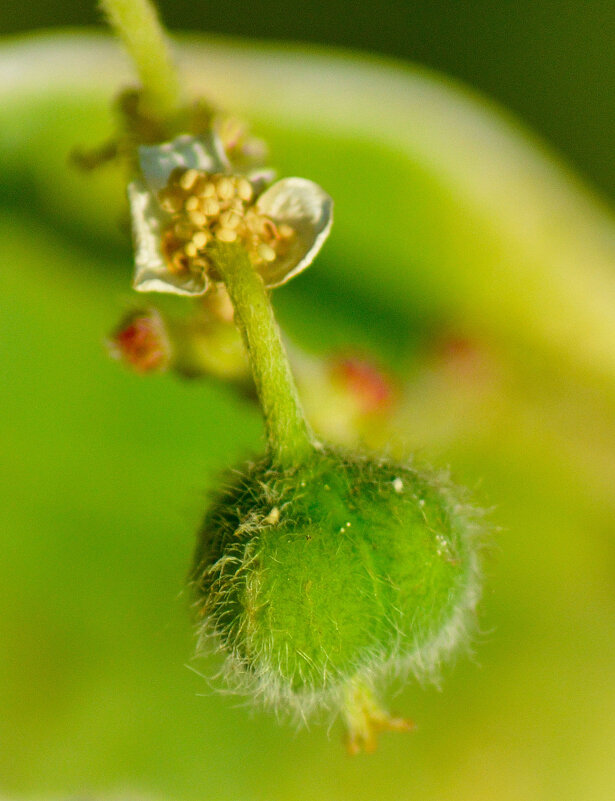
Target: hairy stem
point(137, 24)
point(289, 437)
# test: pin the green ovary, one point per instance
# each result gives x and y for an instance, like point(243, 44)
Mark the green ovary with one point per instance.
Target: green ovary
point(313, 576)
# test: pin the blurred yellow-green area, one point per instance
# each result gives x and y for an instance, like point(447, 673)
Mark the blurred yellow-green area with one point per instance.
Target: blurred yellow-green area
point(453, 225)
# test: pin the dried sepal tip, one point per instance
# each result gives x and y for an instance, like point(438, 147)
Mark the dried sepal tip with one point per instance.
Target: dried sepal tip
point(365, 719)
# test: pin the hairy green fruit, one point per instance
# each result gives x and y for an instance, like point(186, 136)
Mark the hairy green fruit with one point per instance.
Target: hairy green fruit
point(320, 580)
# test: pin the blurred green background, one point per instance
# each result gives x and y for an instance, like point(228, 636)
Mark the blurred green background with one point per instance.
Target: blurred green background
point(551, 62)
point(105, 474)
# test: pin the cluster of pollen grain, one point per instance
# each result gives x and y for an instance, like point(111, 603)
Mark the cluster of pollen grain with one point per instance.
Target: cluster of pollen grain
point(215, 207)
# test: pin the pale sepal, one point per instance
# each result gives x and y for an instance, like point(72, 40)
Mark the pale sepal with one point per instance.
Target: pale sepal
point(308, 210)
point(152, 273)
point(204, 152)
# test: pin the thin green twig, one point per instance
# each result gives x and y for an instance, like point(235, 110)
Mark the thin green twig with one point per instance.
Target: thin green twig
point(289, 437)
point(137, 24)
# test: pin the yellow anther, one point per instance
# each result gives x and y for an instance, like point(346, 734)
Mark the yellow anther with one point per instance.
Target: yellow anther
point(285, 231)
point(187, 180)
point(253, 221)
point(197, 218)
point(265, 252)
point(192, 203)
point(211, 207)
point(225, 188)
point(244, 190)
point(226, 234)
point(204, 206)
point(200, 239)
point(230, 219)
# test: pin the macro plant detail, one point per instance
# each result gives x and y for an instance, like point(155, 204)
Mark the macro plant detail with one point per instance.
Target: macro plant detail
point(320, 573)
point(320, 580)
point(189, 199)
point(460, 310)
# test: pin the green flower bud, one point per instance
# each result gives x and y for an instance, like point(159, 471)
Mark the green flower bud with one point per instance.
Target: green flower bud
point(319, 581)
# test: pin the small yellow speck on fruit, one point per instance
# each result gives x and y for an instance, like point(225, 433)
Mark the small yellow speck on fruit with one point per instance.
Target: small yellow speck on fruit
point(190, 249)
point(273, 517)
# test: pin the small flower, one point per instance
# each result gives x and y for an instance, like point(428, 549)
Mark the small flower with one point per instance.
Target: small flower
point(142, 342)
point(365, 384)
point(244, 150)
point(189, 198)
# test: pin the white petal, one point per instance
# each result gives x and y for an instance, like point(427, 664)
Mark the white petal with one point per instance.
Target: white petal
point(205, 153)
point(308, 209)
point(151, 271)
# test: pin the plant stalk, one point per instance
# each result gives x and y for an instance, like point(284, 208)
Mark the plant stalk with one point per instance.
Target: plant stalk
point(137, 24)
point(289, 436)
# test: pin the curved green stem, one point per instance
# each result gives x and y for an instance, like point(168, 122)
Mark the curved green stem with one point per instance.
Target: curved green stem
point(136, 23)
point(289, 436)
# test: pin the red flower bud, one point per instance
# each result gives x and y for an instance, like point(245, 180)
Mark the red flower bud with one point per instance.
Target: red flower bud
point(141, 341)
point(370, 387)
